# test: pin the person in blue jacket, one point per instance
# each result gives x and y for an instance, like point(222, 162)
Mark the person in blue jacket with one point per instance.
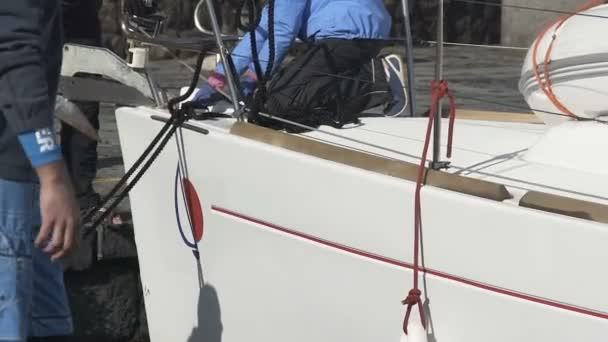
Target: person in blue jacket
point(39, 216)
point(334, 79)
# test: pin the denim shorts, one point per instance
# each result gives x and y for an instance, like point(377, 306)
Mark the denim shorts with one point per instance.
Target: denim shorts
point(33, 299)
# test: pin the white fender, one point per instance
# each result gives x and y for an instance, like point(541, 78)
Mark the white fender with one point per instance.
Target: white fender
point(416, 333)
point(578, 69)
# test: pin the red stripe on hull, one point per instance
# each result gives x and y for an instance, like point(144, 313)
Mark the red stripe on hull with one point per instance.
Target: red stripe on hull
point(401, 264)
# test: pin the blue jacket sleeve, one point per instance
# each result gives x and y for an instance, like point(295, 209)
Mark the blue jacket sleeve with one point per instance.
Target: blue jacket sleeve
point(25, 78)
point(30, 57)
point(288, 17)
point(241, 55)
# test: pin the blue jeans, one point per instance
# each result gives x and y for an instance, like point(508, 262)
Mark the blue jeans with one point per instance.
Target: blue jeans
point(33, 299)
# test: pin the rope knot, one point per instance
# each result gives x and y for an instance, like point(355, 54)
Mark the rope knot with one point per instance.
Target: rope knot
point(440, 88)
point(413, 297)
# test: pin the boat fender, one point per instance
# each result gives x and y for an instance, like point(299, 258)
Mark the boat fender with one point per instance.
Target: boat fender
point(139, 57)
point(416, 333)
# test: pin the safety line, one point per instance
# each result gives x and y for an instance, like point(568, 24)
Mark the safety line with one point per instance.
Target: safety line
point(529, 8)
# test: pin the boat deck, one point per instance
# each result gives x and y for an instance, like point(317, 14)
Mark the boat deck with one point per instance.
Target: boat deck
point(487, 150)
point(491, 151)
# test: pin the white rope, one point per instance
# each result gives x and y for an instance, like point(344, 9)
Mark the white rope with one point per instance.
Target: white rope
point(487, 46)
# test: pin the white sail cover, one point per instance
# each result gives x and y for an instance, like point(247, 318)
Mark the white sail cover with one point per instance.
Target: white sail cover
point(578, 68)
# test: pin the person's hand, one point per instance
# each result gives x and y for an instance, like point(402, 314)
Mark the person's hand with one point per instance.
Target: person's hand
point(205, 97)
point(59, 232)
point(208, 94)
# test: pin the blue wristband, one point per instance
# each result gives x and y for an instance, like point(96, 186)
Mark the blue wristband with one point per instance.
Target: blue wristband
point(41, 147)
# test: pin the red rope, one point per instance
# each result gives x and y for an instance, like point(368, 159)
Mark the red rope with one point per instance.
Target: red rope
point(439, 90)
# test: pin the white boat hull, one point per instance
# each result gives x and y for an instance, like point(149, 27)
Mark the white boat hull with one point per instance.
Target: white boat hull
point(298, 248)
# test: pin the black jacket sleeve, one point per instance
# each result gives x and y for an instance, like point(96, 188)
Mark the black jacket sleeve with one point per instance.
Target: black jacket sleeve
point(30, 61)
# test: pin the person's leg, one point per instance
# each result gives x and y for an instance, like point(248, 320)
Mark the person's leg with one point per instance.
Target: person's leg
point(294, 91)
point(334, 78)
point(82, 26)
point(51, 316)
point(17, 207)
point(394, 69)
point(366, 85)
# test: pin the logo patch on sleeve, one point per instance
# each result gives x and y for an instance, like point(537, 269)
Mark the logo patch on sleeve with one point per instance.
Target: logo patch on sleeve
point(46, 140)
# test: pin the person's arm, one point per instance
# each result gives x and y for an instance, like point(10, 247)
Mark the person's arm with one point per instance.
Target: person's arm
point(288, 18)
point(287, 23)
point(241, 54)
point(24, 91)
point(27, 106)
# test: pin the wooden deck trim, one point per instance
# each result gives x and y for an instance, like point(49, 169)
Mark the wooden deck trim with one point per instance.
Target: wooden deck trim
point(373, 163)
point(469, 114)
point(565, 206)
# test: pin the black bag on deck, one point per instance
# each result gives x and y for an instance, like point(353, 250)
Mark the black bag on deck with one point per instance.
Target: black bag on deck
point(330, 83)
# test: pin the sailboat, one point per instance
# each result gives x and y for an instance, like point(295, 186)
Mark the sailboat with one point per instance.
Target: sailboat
point(250, 234)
